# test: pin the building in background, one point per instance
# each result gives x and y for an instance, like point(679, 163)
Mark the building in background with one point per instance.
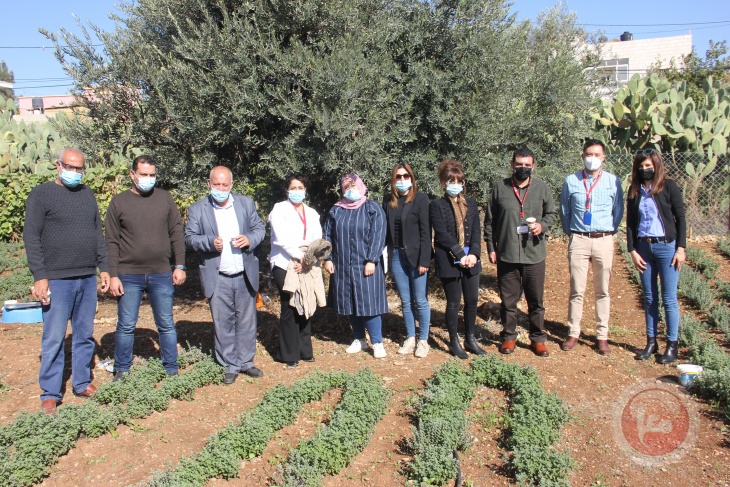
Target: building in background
point(39, 108)
point(621, 59)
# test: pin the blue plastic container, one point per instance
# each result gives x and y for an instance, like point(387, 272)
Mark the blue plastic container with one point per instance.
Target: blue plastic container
point(30, 315)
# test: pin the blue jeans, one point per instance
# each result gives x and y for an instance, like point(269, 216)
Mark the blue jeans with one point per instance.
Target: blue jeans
point(160, 291)
point(75, 299)
point(373, 324)
point(658, 258)
point(412, 289)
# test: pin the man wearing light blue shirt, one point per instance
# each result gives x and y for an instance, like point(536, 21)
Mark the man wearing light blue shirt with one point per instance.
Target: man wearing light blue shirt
point(591, 208)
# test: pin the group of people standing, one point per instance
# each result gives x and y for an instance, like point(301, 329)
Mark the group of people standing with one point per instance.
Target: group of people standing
point(360, 241)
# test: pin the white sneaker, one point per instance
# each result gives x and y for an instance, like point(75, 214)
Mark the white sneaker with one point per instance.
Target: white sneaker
point(357, 345)
point(408, 346)
point(422, 348)
point(378, 350)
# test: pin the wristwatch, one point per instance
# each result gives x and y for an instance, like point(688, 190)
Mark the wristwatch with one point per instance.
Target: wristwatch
point(181, 267)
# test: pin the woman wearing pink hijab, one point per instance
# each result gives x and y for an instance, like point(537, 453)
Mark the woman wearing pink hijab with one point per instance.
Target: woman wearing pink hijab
point(356, 227)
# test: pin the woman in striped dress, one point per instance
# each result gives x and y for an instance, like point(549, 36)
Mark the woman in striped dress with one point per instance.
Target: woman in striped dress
point(356, 227)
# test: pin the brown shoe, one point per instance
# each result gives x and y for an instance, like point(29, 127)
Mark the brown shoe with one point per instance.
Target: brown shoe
point(540, 349)
point(89, 392)
point(569, 344)
point(49, 406)
point(602, 347)
point(508, 347)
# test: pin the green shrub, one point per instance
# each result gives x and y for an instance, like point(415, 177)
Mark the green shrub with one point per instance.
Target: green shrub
point(247, 438)
point(533, 424)
point(348, 432)
point(702, 261)
point(693, 287)
point(724, 246)
point(33, 442)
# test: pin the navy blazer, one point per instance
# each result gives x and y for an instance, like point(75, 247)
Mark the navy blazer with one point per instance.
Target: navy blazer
point(202, 229)
point(445, 240)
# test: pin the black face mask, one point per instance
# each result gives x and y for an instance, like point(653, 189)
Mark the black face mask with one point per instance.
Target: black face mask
point(646, 174)
point(522, 173)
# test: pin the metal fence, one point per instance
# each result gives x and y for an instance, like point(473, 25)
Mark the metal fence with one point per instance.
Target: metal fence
point(706, 193)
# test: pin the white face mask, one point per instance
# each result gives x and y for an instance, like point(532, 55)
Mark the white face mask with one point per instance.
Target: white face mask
point(592, 163)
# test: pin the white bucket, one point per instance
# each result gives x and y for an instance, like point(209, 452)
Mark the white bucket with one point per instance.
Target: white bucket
point(687, 373)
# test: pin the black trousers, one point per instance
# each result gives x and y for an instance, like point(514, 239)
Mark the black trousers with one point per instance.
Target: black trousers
point(511, 280)
point(295, 331)
point(454, 287)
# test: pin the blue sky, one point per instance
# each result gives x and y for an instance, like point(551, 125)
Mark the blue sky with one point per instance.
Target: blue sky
point(38, 73)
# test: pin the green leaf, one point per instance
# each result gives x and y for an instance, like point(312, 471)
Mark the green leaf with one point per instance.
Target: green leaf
point(689, 169)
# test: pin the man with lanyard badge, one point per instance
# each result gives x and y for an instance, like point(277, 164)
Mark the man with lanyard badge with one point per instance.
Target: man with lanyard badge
point(591, 208)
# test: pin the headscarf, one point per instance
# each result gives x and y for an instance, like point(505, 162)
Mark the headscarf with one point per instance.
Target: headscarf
point(345, 181)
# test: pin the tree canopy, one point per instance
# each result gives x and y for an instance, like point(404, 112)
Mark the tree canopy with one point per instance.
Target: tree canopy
point(328, 86)
point(6, 75)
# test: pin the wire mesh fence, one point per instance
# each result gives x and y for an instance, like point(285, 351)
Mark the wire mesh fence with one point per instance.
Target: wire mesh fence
point(706, 190)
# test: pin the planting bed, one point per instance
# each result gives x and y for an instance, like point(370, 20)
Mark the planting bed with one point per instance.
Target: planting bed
point(588, 385)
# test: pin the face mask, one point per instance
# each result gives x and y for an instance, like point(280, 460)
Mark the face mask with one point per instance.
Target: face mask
point(218, 195)
point(646, 174)
point(145, 184)
point(71, 178)
point(297, 195)
point(353, 194)
point(522, 173)
point(454, 189)
point(403, 186)
point(592, 163)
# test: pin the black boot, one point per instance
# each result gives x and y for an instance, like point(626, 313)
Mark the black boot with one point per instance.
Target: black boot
point(651, 349)
point(470, 343)
point(670, 355)
point(454, 346)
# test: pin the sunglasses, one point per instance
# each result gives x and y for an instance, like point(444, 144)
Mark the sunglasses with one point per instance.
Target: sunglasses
point(645, 151)
point(402, 177)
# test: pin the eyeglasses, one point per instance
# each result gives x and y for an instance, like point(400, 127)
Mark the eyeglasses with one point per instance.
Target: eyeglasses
point(645, 151)
point(405, 177)
point(69, 167)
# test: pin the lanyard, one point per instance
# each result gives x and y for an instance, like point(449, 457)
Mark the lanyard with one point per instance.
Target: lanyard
point(590, 190)
point(522, 200)
point(303, 218)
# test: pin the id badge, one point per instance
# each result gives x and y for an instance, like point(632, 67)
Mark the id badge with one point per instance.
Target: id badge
point(587, 218)
point(522, 229)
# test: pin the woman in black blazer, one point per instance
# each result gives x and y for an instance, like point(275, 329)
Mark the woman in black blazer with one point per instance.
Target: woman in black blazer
point(457, 245)
point(656, 236)
point(409, 248)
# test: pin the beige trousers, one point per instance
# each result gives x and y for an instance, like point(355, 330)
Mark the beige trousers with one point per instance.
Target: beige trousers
point(597, 253)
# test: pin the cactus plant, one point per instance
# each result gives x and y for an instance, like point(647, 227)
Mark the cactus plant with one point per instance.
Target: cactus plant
point(28, 148)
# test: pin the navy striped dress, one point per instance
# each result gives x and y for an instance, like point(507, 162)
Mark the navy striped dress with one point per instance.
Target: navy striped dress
point(357, 236)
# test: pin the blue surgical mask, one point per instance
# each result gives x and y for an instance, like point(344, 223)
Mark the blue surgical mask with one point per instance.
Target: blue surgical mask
point(353, 194)
point(297, 195)
point(145, 185)
point(454, 189)
point(403, 186)
point(218, 195)
point(71, 178)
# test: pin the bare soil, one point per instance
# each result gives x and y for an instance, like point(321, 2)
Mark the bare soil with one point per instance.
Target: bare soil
point(589, 383)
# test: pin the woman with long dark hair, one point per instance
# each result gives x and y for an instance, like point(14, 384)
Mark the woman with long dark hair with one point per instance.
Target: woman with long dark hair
point(409, 247)
point(457, 245)
point(656, 232)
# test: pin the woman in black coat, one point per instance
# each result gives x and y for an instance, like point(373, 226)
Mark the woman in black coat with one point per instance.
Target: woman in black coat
point(656, 236)
point(409, 249)
point(457, 245)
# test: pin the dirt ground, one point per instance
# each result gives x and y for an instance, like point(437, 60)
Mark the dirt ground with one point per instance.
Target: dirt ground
point(590, 384)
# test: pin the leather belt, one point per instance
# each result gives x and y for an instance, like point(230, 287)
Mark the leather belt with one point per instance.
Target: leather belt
point(231, 275)
point(594, 234)
point(653, 240)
